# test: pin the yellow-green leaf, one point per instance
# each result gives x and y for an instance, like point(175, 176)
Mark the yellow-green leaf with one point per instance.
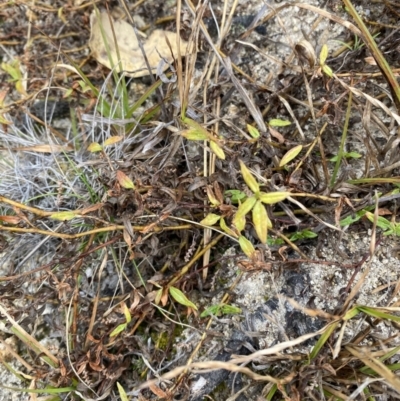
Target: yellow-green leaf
point(127, 313)
point(275, 122)
point(260, 221)
point(13, 70)
point(181, 298)
point(217, 150)
point(323, 55)
point(253, 131)
point(246, 246)
point(273, 197)
point(239, 222)
point(95, 147)
point(196, 127)
point(3, 120)
point(158, 296)
point(63, 216)
point(119, 329)
point(194, 135)
point(112, 140)
point(290, 155)
point(327, 70)
point(225, 228)
point(246, 206)
point(210, 219)
point(124, 180)
point(122, 393)
point(248, 178)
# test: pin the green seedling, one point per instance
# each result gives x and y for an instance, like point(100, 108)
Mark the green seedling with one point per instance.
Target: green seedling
point(218, 310)
point(347, 155)
point(300, 235)
point(304, 234)
point(235, 195)
point(387, 226)
point(322, 59)
point(13, 69)
point(357, 43)
point(355, 217)
point(122, 327)
point(255, 205)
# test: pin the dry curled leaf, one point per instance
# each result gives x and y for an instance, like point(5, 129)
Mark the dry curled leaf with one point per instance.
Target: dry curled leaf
point(157, 47)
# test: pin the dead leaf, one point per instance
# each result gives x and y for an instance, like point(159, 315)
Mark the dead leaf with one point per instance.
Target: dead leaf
point(157, 47)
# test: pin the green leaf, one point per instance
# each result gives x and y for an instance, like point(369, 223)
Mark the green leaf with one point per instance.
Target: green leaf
point(181, 298)
point(349, 155)
point(381, 222)
point(278, 123)
point(275, 241)
point(122, 393)
point(248, 178)
point(235, 195)
point(378, 313)
point(64, 216)
point(353, 155)
point(253, 131)
point(273, 197)
point(353, 218)
point(119, 329)
point(213, 310)
point(260, 221)
point(217, 150)
point(230, 310)
point(351, 313)
point(246, 246)
point(322, 340)
point(216, 310)
point(290, 155)
point(210, 219)
point(303, 235)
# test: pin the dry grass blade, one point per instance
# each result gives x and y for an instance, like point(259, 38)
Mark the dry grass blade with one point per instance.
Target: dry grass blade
point(364, 355)
point(203, 367)
point(377, 54)
point(29, 341)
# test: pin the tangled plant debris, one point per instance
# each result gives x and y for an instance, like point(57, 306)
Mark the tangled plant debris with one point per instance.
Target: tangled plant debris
point(202, 206)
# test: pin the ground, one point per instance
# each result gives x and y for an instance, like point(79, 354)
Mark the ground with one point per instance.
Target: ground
point(105, 179)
